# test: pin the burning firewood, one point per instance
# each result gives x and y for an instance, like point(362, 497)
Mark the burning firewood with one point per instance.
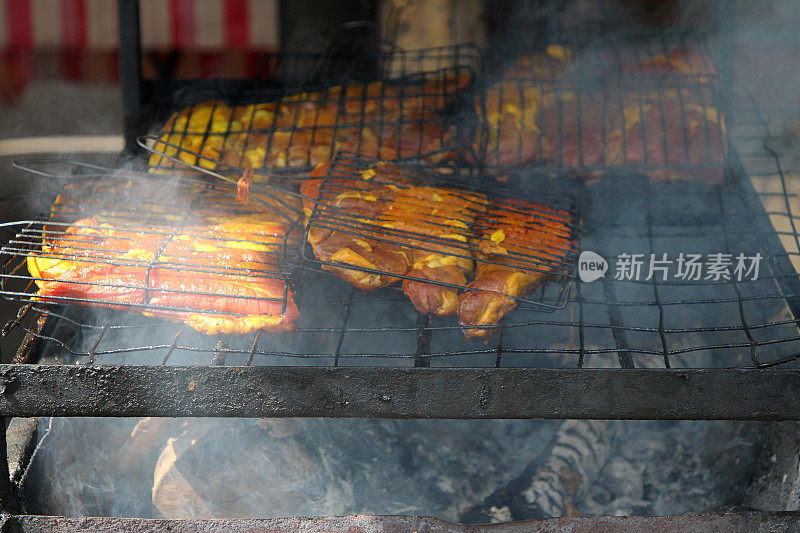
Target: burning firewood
point(578, 454)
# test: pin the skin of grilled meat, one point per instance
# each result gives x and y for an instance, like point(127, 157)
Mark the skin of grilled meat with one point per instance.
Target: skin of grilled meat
point(507, 233)
point(444, 216)
point(341, 208)
point(428, 227)
point(215, 271)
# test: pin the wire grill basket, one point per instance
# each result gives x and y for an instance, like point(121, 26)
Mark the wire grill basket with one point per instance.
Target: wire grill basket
point(424, 216)
point(296, 126)
point(175, 247)
point(650, 106)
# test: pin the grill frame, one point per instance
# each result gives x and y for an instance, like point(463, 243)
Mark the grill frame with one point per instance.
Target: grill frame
point(26, 389)
point(762, 392)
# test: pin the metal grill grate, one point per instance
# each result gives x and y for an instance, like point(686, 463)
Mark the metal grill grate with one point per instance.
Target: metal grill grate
point(606, 323)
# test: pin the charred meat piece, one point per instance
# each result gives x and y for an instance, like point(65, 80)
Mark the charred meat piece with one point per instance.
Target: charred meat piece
point(220, 278)
point(520, 245)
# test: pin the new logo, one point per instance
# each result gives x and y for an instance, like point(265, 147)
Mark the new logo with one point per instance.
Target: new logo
point(591, 266)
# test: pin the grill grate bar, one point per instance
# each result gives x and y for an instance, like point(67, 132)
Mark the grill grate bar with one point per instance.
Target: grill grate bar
point(343, 329)
point(615, 320)
point(253, 349)
point(172, 346)
point(581, 325)
point(423, 354)
point(499, 350)
point(656, 297)
point(96, 343)
point(739, 297)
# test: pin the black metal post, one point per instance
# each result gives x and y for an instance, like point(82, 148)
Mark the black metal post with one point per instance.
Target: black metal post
point(725, 54)
point(130, 68)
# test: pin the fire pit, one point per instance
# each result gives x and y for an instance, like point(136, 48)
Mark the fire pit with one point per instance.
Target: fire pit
point(678, 303)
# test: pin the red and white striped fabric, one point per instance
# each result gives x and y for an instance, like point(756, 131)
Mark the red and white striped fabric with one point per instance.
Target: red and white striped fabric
point(166, 24)
point(77, 39)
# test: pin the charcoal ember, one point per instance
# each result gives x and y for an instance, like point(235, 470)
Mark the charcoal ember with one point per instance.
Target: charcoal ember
point(579, 451)
point(630, 468)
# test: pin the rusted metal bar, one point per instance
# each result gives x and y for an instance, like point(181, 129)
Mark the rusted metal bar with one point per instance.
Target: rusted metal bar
point(753, 522)
point(460, 393)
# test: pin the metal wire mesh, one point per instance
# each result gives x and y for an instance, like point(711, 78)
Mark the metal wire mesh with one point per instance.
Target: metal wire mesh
point(606, 323)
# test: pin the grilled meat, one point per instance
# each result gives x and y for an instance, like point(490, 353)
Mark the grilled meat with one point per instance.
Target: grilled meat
point(151, 245)
point(221, 278)
point(575, 122)
point(385, 224)
point(434, 226)
point(382, 119)
point(535, 114)
point(512, 113)
point(347, 211)
point(520, 244)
